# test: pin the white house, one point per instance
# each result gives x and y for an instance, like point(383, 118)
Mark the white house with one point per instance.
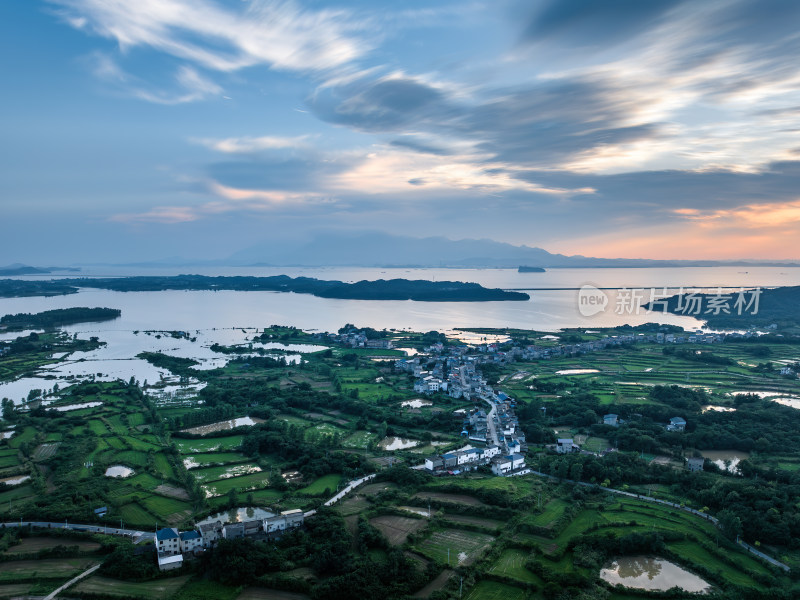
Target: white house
point(566, 445)
point(189, 540)
point(676, 424)
point(474, 454)
point(463, 457)
point(288, 519)
point(501, 465)
point(491, 451)
point(169, 562)
point(168, 541)
point(517, 461)
point(210, 532)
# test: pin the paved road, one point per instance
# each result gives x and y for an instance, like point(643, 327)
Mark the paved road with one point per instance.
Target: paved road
point(760, 554)
point(72, 581)
point(94, 528)
point(490, 424)
point(342, 493)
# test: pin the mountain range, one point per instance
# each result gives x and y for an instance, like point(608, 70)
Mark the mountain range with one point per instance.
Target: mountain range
point(376, 249)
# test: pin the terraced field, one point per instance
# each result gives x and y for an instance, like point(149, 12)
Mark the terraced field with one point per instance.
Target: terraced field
point(455, 546)
point(397, 529)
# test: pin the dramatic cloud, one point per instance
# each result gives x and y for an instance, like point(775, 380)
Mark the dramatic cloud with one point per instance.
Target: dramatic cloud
point(590, 23)
point(616, 127)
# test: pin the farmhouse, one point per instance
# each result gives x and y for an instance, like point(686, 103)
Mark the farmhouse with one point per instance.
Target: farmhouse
point(610, 419)
point(169, 562)
point(190, 540)
point(168, 541)
point(210, 533)
point(566, 445)
point(509, 465)
point(233, 531)
point(288, 519)
point(676, 424)
point(695, 464)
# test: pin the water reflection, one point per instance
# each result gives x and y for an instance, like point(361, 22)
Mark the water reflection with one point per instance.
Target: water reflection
point(651, 573)
point(396, 443)
point(238, 515)
point(223, 425)
point(119, 471)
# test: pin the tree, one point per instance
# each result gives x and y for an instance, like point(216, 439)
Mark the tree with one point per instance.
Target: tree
point(730, 523)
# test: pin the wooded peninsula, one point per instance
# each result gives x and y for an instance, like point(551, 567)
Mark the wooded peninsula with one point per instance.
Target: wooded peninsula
point(392, 289)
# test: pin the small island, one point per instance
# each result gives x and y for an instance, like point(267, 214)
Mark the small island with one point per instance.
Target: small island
point(526, 269)
point(58, 317)
point(393, 289)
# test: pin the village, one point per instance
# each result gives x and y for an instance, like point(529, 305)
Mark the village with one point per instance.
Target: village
point(173, 545)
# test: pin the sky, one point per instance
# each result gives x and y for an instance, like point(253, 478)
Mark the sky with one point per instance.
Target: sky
point(133, 131)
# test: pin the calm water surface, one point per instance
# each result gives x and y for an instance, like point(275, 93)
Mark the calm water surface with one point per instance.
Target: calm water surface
point(651, 573)
point(229, 317)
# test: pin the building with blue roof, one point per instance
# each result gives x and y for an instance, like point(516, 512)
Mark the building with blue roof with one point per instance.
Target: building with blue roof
point(168, 541)
point(190, 540)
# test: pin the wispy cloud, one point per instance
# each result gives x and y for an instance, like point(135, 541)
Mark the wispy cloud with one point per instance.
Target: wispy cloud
point(279, 34)
point(248, 145)
point(188, 84)
point(161, 214)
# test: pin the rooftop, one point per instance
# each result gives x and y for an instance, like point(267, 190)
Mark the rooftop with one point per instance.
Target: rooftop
point(166, 533)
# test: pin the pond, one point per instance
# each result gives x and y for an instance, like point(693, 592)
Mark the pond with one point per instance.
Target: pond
point(717, 408)
point(793, 401)
point(119, 471)
point(238, 515)
point(223, 425)
point(70, 407)
point(651, 573)
point(416, 403)
point(15, 480)
point(396, 443)
point(727, 460)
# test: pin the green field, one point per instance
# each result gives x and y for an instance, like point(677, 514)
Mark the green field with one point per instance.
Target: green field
point(359, 439)
point(159, 588)
point(193, 461)
point(11, 571)
point(224, 472)
point(553, 511)
point(492, 590)
point(512, 564)
point(230, 442)
point(322, 485)
point(240, 484)
point(463, 547)
point(135, 514)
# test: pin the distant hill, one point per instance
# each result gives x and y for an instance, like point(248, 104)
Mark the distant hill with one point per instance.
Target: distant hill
point(733, 310)
point(376, 249)
point(20, 269)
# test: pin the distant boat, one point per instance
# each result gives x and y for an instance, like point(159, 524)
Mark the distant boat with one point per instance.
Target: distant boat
point(524, 269)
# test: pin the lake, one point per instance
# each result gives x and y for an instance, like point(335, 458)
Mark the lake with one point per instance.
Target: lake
point(237, 515)
point(230, 317)
point(651, 573)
